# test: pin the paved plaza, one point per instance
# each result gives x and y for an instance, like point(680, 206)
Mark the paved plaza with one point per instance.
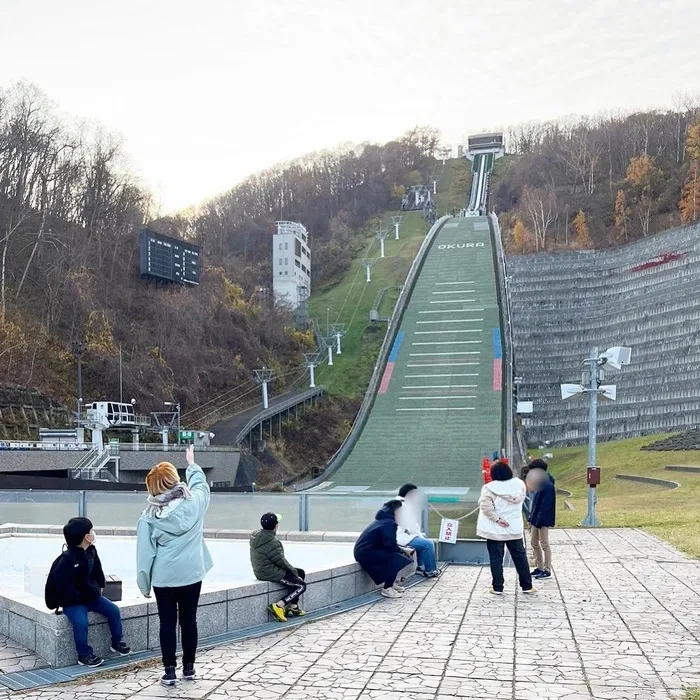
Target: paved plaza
point(621, 621)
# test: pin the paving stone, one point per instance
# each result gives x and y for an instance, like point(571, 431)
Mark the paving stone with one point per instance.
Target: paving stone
point(616, 624)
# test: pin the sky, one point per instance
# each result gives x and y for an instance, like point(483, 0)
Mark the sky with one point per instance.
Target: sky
point(207, 92)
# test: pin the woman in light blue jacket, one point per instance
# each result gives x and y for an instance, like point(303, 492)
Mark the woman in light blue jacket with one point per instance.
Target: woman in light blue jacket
point(172, 557)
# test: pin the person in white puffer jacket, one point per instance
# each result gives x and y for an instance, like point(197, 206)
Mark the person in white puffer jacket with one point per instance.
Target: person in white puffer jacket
point(410, 534)
point(500, 523)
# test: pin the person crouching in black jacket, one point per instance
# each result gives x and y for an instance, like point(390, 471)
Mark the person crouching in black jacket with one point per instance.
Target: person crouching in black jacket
point(78, 581)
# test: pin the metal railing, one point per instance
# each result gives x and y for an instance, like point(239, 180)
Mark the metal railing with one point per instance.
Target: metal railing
point(278, 408)
point(360, 419)
point(21, 445)
point(507, 340)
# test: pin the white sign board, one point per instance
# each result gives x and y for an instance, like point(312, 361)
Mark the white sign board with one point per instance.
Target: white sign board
point(524, 407)
point(448, 531)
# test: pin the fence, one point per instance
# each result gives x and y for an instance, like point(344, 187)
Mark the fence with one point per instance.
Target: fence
point(320, 512)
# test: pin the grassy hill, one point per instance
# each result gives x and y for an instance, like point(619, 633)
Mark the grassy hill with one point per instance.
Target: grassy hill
point(672, 515)
point(350, 299)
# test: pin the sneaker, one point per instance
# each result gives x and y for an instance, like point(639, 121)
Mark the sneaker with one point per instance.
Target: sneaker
point(390, 593)
point(121, 648)
point(434, 574)
point(91, 660)
point(545, 573)
point(295, 611)
point(188, 673)
point(168, 678)
point(277, 611)
point(399, 589)
point(529, 591)
point(535, 572)
point(493, 591)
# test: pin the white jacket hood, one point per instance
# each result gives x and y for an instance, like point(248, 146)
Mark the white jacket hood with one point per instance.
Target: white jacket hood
point(512, 490)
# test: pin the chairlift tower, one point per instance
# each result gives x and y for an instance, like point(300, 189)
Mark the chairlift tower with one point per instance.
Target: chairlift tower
point(164, 422)
point(264, 376)
point(397, 220)
point(338, 331)
point(311, 359)
point(329, 344)
point(382, 235)
point(368, 264)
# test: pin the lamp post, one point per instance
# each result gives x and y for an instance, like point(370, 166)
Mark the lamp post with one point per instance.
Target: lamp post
point(79, 347)
point(177, 408)
point(592, 384)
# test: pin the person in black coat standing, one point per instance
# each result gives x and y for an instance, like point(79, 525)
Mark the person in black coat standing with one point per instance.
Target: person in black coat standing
point(377, 552)
point(542, 516)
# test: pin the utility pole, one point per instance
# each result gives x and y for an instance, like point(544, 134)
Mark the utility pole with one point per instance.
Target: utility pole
point(264, 376)
point(121, 376)
point(79, 348)
point(328, 320)
point(591, 519)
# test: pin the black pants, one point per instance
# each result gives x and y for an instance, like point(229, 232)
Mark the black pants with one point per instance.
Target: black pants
point(295, 585)
point(517, 554)
point(179, 601)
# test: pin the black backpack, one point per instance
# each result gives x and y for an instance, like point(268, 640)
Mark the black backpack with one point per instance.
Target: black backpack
point(51, 590)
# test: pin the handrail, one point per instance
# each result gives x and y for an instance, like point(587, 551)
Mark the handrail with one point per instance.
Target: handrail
point(278, 408)
point(351, 438)
point(87, 458)
point(501, 275)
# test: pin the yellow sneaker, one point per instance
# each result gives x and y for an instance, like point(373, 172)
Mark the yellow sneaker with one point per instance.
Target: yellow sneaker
point(295, 611)
point(277, 611)
point(530, 591)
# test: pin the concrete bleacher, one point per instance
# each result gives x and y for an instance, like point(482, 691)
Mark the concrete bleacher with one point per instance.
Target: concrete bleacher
point(438, 408)
point(645, 295)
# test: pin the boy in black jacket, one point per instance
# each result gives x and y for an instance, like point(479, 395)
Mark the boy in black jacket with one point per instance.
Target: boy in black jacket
point(78, 581)
point(541, 517)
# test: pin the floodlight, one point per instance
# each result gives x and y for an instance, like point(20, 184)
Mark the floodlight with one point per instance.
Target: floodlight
point(609, 391)
point(617, 357)
point(569, 390)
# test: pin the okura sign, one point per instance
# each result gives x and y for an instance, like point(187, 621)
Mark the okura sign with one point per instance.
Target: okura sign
point(454, 246)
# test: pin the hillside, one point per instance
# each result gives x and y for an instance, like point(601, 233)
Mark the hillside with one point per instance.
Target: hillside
point(70, 215)
point(584, 182)
point(348, 301)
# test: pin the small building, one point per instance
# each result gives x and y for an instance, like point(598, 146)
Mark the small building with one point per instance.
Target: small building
point(291, 263)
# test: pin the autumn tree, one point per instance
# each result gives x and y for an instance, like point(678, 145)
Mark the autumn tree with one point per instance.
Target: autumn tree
point(689, 205)
point(643, 177)
point(622, 214)
point(583, 235)
point(522, 237)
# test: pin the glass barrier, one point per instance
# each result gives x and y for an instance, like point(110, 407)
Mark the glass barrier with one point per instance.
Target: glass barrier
point(242, 511)
point(107, 508)
point(343, 512)
point(465, 512)
point(38, 507)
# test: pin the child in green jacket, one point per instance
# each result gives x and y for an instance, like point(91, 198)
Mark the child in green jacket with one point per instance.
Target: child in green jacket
point(269, 564)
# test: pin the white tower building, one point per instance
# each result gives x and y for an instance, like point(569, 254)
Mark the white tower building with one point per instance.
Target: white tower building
point(291, 262)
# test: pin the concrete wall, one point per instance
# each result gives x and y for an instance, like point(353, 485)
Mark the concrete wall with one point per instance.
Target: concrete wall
point(564, 304)
point(218, 466)
point(25, 620)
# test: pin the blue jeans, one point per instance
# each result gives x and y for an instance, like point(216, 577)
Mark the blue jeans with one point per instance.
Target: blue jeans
point(78, 616)
point(425, 551)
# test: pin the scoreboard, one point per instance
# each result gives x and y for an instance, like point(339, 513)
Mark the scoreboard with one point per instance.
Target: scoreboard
point(168, 259)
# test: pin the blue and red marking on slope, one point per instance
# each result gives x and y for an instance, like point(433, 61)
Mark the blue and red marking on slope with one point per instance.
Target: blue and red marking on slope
point(386, 377)
point(497, 360)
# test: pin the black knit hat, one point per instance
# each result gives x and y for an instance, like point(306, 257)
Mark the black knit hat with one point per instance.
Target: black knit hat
point(75, 530)
point(269, 521)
